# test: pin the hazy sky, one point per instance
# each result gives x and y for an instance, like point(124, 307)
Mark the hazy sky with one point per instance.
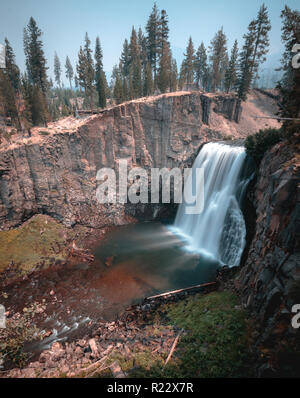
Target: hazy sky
point(64, 23)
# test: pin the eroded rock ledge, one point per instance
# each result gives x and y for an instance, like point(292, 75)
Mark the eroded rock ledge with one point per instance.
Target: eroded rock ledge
point(270, 279)
point(57, 174)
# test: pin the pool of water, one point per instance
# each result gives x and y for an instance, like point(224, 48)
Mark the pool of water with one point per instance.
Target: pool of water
point(131, 263)
point(148, 259)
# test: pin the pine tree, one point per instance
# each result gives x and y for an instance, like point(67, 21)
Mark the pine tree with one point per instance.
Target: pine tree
point(26, 53)
point(7, 95)
point(148, 81)
point(12, 69)
point(143, 48)
point(261, 44)
point(39, 109)
point(102, 89)
point(135, 65)
point(125, 59)
point(181, 79)
point(26, 113)
point(231, 72)
point(165, 55)
point(290, 83)
point(187, 67)
point(100, 75)
point(163, 32)
point(218, 54)
point(57, 70)
point(85, 70)
point(76, 81)
point(35, 58)
point(36, 73)
point(125, 90)
point(164, 71)
point(117, 86)
point(245, 73)
point(173, 76)
point(36, 110)
point(153, 36)
point(80, 67)
point(69, 71)
point(89, 70)
point(201, 67)
point(164, 27)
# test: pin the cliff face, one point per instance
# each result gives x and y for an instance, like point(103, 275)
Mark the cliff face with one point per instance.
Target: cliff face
point(269, 278)
point(54, 172)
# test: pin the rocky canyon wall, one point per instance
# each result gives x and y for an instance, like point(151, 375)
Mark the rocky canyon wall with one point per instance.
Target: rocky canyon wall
point(270, 280)
point(56, 174)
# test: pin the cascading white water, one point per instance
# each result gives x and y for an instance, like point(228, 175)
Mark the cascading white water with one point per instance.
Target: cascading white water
point(219, 230)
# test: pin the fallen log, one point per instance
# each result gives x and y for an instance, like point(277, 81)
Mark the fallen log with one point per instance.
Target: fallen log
point(185, 289)
point(82, 253)
point(91, 369)
point(173, 347)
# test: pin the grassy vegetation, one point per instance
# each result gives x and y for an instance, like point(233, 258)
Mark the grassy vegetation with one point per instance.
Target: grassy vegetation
point(257, 144)
point(39, 242)
point(216, 344)
point(19, 330)
point(215, 340)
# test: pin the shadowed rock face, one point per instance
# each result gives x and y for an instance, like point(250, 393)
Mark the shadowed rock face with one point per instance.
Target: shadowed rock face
point(269, 278)
point(58, 175)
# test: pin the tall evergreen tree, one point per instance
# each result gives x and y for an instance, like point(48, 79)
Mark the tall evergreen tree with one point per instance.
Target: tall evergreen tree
point(153, 36)
point(7, 95)
point(201, 67)
point(147, 81)
point(165, 55)
point(187, 67)
point(245, 73)
point(26, 113)
point(173, 75)
point(142, 41)
point(231, 72)
point(76, 81)
point(135, 65)
point(85, 70)
point(35, 58)
point(218, 54)
point(80, 67)
point(164, 26)
point(125, 59)
point(164, 72)
point(163, 32)
point(117, 86)
point(12, 69)
point(261, 43)
point(100, 75)
point(57, 70)
point(69, 71)
point(10, 86)
point(36, 72)
point(89, 70)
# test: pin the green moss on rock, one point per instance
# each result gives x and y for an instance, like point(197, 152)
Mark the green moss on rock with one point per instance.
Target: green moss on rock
point(38, 243)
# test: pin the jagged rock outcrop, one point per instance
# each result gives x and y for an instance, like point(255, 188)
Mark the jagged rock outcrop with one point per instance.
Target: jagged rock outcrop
point(271, 275)
point(229, 107)
point(57, 175)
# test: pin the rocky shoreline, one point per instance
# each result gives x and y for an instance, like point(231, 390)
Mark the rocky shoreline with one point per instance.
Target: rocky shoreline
point(131, 334)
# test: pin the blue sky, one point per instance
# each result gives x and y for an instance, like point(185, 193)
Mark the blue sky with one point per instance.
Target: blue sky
point(64, 23)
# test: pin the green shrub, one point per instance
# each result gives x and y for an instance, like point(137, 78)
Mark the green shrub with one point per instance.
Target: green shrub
point(257, 144)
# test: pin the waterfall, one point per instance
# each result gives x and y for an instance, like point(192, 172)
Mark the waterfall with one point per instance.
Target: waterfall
point(219, 230)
